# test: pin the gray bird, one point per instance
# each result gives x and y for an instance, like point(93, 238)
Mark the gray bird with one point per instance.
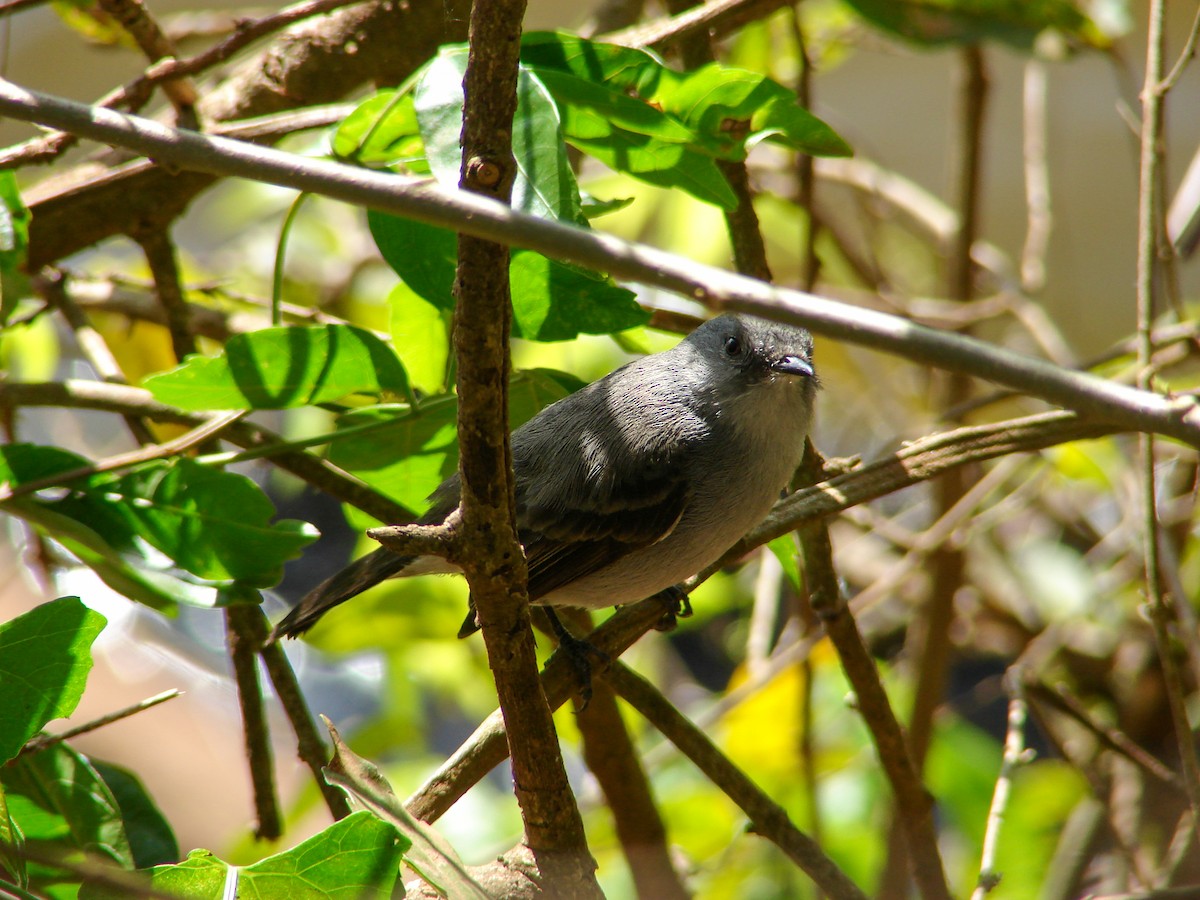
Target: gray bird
point(641, 479)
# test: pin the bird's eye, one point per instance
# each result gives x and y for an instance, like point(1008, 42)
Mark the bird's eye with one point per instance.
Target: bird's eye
point(733, 346)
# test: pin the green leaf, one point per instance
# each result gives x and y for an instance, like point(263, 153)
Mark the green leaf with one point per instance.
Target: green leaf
point(637, 116)
point(544, 185)
point(590, 110)
point(594, 207)
point(215, 524)
point(14, 223)
point(58, 798)
point(554, 301)
point(356, 858)
point(421, 337)
point(632, 71)
point(734, 109)
point(212, 524)
point(661, 164)
point(382, 131)
point(94, 526)
point(424, 256)
point(784, 549)
point(1016, 23)
point(409, 454)
point(45, 657)
point(280, 368)
point(429, 854)
point(12, 842)
point(151, 840)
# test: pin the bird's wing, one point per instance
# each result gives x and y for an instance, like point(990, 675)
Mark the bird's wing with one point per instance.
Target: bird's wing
point(568, 538)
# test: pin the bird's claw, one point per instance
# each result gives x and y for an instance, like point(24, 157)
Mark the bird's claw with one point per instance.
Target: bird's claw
point(676, 605)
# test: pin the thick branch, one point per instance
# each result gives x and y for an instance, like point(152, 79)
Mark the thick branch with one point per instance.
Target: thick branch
point(490, 554)
point(1129, 408)
point(313, 62)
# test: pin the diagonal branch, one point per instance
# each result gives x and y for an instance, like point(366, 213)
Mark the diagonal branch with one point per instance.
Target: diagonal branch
point(421, 200)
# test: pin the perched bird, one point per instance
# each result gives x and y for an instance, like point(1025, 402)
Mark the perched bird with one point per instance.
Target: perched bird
point(638, 480)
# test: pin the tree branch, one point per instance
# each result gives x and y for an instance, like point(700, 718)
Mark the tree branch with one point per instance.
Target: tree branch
point(418, 199)
point(487, 545)
point(313, 62)
point(239, 628)
point(767, 818)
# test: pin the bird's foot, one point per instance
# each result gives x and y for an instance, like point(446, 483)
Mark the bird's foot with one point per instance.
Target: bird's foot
point(579, 654)
point(675, 606)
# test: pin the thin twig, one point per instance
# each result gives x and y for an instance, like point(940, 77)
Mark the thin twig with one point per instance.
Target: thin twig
point(1186, 55)
point(1014, 756)
point(309, 746)
point(42, 741)
point(140, 24)
point(1059, 697)
point(246, 32)
point(767, 818)
point(207, 430)
point(1037, 178)
point(164, 268)
point(52, 285)
point(14, 6)
point(718, 289)
point(1149, 231)
point(805, 168)
point(487, 747)
point(716, 17)
point(320, 473)
point(243, 650)
point(913, 803)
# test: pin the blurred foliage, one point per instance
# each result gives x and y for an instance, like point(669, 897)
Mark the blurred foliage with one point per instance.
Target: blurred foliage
point(1050, 601)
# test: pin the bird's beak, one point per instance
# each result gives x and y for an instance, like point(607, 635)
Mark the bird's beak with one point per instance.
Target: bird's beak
point(793, 365)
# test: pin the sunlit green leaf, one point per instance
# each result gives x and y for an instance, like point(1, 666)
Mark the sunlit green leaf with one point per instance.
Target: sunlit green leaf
point(784, 549)
point(421, 336)
point(278, 368)
point(633, 71)
point(58, 797)
point(554, 301)
point(409, 454)
point(382, 131)
point(662, 164)
point(544, 184)
point(215, 524)
point(734, 109)
point(356, 858)
point(45, 657)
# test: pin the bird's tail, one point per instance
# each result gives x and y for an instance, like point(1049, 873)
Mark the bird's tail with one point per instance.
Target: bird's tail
point(363, 573)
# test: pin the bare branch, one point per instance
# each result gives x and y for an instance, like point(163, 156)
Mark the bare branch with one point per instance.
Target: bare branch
point(42, 741)
point(1125, 407)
